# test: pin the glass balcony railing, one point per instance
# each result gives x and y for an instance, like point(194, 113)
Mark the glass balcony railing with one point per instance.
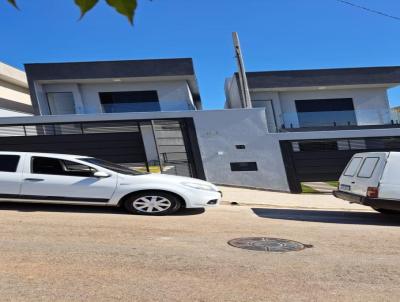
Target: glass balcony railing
point(354, 118)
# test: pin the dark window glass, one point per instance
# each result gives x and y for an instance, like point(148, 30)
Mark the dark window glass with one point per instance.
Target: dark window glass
point(326, 112)
point(244, 166)
point(129, 101)
point(9, 163)
point(77, 169)
point(111, 166)
point(54, 166)
point(318, 146)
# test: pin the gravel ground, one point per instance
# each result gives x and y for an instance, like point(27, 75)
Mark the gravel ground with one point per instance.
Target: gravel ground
point(67, 253)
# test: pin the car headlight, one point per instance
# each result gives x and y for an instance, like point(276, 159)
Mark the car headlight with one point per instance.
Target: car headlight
point(198, 186)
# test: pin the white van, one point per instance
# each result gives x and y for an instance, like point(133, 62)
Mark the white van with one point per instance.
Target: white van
point(372, 179)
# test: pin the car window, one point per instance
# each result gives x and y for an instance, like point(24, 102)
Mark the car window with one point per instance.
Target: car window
point(9, 163)
point(368, 167)
point(54, 166)
point(77, 169)
point(352, 167)
point(111, 166)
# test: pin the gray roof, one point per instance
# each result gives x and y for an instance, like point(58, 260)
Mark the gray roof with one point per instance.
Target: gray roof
point(324, 77)
point(110, 69)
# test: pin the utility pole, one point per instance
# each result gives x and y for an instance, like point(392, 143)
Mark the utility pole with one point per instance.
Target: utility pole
point(244, 86)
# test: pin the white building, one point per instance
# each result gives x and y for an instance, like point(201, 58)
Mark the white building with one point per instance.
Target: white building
point(113, 86)
point(14, 92)
point(319, 98)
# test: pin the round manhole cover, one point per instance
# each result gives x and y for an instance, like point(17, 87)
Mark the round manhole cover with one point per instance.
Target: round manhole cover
point(268, 244)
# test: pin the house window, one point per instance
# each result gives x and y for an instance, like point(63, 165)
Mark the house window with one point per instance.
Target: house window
point(129, 101)
point(61, 103)
point(326, 112)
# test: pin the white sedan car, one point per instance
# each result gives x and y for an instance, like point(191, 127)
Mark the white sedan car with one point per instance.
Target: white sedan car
point(73, 179)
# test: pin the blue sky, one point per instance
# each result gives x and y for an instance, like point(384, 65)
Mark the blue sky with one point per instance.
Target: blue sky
point(275, 35)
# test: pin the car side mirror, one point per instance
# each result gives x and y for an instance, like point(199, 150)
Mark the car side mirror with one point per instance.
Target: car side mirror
point(100, 174)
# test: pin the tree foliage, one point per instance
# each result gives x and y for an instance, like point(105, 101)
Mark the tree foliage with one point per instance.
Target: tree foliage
point(124, 7)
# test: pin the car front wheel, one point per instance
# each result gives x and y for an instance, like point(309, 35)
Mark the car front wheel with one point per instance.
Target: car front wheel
point(152, 203)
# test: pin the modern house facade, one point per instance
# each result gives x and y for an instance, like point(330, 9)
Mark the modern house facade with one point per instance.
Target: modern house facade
point(113, 86)
point(144, 114)
point(14, 93)
point(308, 99)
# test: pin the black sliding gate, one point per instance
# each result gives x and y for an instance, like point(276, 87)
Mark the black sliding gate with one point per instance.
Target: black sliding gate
point(175, 143)
point(324, 160)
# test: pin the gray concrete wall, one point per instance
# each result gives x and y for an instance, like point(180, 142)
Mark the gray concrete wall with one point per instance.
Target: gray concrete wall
point(219, 131)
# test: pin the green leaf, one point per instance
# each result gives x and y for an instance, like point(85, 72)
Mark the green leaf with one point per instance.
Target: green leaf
point(85, 5)
point(13, 3)
point(124, 7)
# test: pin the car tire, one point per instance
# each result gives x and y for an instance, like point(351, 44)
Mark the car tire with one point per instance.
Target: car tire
point(387, 212)
point(153, 203)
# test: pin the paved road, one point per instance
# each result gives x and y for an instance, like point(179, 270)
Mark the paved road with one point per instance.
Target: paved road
point(59, 253)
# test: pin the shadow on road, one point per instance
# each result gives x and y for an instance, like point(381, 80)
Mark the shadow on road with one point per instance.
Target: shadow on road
point(340, 217)
point(31, 207)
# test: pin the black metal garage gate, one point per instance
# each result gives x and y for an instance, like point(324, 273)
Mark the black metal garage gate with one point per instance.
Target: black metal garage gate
point(324, 160)
point(116, 141)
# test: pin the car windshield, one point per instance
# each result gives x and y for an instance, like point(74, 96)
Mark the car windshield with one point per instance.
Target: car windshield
point(111, 166)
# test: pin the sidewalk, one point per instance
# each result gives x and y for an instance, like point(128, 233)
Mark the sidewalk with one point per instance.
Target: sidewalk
point(250, 197)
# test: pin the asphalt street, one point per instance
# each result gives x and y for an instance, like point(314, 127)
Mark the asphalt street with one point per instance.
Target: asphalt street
point(72, 253)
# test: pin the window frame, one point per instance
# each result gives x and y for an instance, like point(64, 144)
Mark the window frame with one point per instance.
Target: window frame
point(373, 170)
point(61, 160)
point(60, 92)
point(18, 162)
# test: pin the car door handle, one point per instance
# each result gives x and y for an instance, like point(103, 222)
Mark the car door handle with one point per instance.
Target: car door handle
point(353, 182)
point(34, 179)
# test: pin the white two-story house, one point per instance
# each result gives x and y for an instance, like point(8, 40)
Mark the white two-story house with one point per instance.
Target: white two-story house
point(113, 86)
point(311, 99)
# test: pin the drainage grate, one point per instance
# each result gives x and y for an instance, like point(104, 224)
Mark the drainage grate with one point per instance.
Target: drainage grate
point(268, 244)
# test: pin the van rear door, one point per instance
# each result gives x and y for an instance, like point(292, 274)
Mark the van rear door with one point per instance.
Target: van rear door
point(369, 173)
point(347, 180)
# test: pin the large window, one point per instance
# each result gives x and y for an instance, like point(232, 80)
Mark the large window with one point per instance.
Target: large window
point(129, 101)
point(9, 163)
point(54, 166)
point(326, 112)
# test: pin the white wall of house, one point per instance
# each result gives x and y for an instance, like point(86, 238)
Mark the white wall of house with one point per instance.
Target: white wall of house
point(173, 95)
point(370, 103)
point(13, 92)
point(14, 88)
point(10, 113)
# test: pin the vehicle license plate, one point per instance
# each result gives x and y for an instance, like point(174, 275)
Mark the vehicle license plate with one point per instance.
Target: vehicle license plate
point(345, 187)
